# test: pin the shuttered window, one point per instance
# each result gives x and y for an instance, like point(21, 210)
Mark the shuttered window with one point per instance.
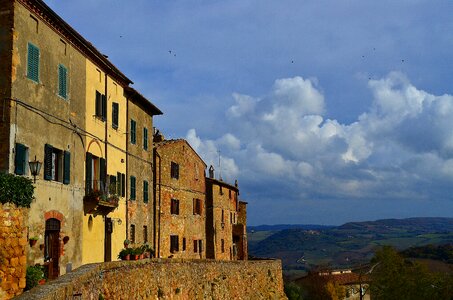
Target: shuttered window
point(174, 170)
point(174, 243)
point(57, 164)
point(115, 113)
point(101, 106)
point(133, 181)
point(88, 172)
point(33, 62)
point(62, 81)
point(20, 161)
point(145, 138)
point(145, 191)
point(67, 168)
point(133, 132)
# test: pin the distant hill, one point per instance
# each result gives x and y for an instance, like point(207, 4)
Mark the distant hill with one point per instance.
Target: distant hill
point(287, 226)
point(302, 248)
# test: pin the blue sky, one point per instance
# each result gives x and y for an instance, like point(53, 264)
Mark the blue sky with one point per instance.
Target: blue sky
point(325, 111)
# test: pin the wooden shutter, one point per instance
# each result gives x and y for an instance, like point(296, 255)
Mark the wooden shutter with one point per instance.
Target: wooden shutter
point(48, 162)
point(133, 132)
point(62, 81)
point(112, 186)
point(132, 188)
point(19, 161)
point(33, 63)
point(115, 112)
point(123, 185)
point(145, 191)
point(104, 107)
point(98, 104)
point(67, 168)
point(88, 175)
point(102, 174)
point(145, 138)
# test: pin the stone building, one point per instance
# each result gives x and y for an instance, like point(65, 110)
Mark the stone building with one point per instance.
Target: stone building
point(64, 104)
point(180, 200)
point(225, 227)
point(140, 204)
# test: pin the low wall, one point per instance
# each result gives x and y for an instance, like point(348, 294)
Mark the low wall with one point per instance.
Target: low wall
point(167, 279)
point(13, 242)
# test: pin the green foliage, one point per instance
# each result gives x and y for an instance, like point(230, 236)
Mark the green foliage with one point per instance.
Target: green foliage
point(16, 189)
point(436, 252)
point(33, 275)
point(293, 291)
point(395, 278)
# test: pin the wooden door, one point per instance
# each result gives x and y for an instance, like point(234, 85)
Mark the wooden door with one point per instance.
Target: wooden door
point(108, 239)
point(52, 247)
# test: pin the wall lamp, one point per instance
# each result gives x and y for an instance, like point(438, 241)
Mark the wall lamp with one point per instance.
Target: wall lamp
point(35, 167)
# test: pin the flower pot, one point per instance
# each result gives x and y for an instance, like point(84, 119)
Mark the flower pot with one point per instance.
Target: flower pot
point(141, 256)
point(32, 242)
point(42, 281)
point(126, 257)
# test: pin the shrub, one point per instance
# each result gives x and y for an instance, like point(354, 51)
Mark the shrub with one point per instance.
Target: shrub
point(33, 276)
point(16, 189)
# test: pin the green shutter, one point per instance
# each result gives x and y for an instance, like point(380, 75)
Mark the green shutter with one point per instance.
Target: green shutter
point(104, 107)
point(133, 132)
point(112, 187)
point(98, 105)
point(145, 191)
point(67, 168)
point(33, 62)
point(102, 173)
point(132, 188)
point(88, 175)
point(19, 161)
point(62, 81)
point(145, 138)
point(123, 185)
point(115, 112)
point(48, 162)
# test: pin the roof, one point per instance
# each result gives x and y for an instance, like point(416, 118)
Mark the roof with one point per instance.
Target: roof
point(46, 14)
point(222, 183)
point(142, 101)
point(171, 142)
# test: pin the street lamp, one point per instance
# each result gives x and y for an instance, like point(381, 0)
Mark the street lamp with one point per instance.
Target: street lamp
point(35, 167)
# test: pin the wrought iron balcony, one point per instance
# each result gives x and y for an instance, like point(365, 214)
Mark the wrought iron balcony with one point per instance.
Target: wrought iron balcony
point(100, 197)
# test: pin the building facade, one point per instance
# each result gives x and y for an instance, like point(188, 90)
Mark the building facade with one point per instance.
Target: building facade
point(180, 200)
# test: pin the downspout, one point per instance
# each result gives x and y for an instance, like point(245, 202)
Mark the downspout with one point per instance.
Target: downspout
point(127, 167)
point(106, 134)
point(157, 207)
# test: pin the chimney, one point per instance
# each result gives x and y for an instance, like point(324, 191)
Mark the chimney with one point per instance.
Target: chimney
point(211, 172)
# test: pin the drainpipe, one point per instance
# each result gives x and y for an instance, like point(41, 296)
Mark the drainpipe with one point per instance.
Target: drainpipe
point(106, 128)
point(127, 167)
point(157, 193)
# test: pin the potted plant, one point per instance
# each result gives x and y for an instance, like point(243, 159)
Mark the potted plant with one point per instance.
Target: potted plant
point(33, 240)
point(124, 254)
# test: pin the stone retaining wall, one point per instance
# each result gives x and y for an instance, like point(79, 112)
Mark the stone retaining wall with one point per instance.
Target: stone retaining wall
point(167, 279)
point(13, 241)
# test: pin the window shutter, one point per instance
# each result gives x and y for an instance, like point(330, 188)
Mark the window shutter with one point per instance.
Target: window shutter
point(132, 188)
point(33, 63)
point(112, 186)
point(133, 132)
point(67, 168)
point(88, 177)
point(118, 183)
point(115, 111)
point(104, 107)
point(48, 162)
point(19, 161)
point(145, 138)
point(123, 185)
point(145, 191)
point(62, 81)
point(102, 174)
point(98, 104)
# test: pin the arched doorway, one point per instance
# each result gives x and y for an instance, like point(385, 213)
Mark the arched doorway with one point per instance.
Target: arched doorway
point(52, 247)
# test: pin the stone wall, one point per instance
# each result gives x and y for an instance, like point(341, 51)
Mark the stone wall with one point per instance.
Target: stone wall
point(13, 242)
point(167, 279)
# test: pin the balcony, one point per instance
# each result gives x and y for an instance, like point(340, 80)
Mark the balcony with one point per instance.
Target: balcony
point(100, 198)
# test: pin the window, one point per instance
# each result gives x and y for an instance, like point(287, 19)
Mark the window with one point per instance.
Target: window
point(33, 63)
point(174, 243)
point(95, 172)
point(113, 187)
point(56, 164)
point(132, 234)
point(145, 234)
point(145, 191)
point(62, 81)
point(145, 138)
point(101, 106)
point(197, 206)
point(21, 160)
point(121, 184)
point(222, 245)
point(133, 180)
point(174, 207)
point(174, 170)
point(183, 244)
point(115, 113)
point(197, 246)
point(133, 132)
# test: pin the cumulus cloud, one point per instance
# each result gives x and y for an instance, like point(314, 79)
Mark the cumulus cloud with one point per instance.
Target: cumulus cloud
point(402, 142)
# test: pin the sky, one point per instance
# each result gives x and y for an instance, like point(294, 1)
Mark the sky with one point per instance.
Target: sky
point(325, 111)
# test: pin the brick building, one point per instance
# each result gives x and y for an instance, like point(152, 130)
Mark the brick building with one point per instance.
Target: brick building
point(180, 200)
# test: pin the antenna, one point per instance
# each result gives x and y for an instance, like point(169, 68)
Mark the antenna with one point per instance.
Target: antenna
point(220, 168)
